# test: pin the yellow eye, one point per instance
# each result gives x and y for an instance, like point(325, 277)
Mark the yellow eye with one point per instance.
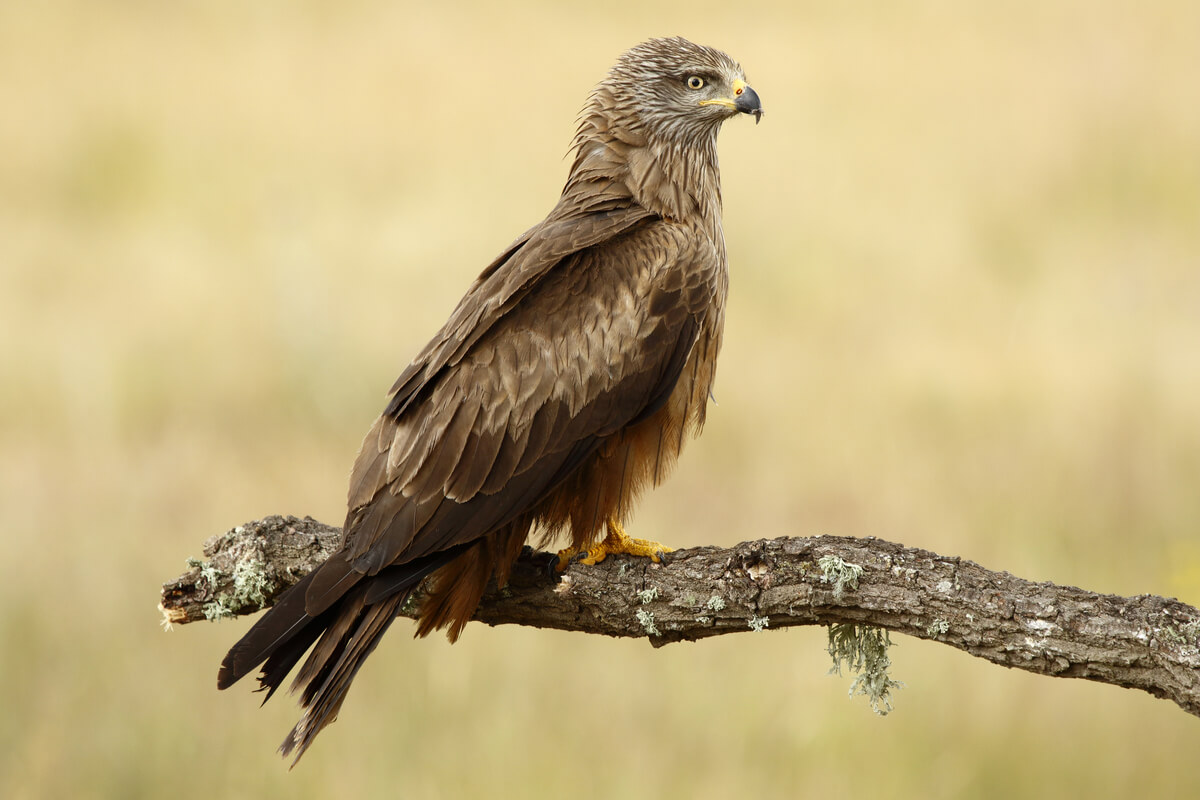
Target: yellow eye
point(695, 82)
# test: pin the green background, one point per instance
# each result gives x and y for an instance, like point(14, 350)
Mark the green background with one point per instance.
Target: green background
point(964, 315)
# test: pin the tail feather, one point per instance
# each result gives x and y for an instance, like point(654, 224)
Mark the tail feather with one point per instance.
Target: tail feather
point(338, 640)
point(328, 651)
point(281, 662)
point(325, 680)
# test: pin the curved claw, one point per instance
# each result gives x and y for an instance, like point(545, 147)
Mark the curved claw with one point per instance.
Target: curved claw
point(565, 557)
point(618, 542)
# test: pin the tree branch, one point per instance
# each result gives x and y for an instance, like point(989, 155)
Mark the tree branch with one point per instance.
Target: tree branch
point(1145, 642)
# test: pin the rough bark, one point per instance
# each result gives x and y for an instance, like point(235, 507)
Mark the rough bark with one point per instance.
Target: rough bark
point(1144, 642)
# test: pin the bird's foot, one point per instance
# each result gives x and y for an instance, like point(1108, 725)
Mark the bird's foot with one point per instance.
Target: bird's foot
point(616, 542)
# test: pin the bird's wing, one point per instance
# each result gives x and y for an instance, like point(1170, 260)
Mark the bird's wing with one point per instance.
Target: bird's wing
point(523, 395)
point(569, 229)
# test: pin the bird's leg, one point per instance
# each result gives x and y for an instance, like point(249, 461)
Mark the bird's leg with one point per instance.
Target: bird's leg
point(616, 542)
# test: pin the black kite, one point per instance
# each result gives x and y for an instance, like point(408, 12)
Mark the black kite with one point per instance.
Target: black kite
point(565, 382)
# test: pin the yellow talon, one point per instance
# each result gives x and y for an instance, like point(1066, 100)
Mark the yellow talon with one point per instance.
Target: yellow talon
point(618, 542)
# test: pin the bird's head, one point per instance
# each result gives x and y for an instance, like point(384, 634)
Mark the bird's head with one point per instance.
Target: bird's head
point(675, 89)
point(649, 130)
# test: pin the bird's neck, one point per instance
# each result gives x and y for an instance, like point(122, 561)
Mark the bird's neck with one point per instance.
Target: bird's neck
point(678, 179)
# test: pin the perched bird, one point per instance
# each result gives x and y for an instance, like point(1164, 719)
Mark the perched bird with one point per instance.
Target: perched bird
point(563, 384)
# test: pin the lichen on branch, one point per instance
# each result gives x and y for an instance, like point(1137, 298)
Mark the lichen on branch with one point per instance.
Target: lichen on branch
point(862, 589)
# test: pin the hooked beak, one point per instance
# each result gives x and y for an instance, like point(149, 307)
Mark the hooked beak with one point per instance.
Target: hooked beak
point(746, 100)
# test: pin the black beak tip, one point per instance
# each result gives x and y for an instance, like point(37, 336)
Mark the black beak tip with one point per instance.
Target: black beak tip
point(748, 103)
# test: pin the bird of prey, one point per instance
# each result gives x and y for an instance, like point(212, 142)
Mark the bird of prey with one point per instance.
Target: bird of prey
point(564, 383)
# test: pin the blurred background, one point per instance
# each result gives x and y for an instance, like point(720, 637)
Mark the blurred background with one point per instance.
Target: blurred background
point(964, 315)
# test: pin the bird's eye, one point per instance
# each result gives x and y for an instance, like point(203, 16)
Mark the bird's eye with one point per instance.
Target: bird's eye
point(695, 82)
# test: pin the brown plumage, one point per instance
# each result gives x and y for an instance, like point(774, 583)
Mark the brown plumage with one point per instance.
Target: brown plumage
point(565, 382)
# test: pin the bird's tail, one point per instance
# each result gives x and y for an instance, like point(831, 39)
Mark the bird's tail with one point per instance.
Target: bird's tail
point(334, 661)
point(341, 637)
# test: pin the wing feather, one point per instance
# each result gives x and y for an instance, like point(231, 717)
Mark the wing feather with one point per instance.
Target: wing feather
point(472, 473)
point(430, 479)
point(541, 428)
point(568, 229)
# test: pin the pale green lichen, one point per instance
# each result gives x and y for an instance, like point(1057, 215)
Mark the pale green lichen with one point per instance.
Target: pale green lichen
point(251, 585)
point(214, 609)
point(648, 595)
point(208, 572)
point(758, 623)
point(864, 650)
point(840, 573)
point(646, 619)
point(1172, 635)
point(937, 627)
point(715, 603)
point(1187, 635)
point(704, 620)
